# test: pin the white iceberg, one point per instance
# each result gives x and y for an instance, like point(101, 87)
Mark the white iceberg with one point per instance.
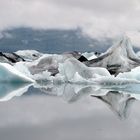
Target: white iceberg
point(73, 69)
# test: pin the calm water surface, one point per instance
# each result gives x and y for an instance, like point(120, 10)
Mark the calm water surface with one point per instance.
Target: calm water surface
point(67, 112)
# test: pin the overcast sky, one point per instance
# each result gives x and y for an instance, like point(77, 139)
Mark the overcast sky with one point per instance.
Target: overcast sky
point(98, 18)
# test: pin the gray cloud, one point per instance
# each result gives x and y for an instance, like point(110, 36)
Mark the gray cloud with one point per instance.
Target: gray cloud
point(106, 6)
point(102, 18)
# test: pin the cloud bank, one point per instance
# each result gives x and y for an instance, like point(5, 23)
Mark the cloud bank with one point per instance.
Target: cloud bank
point(100, 19)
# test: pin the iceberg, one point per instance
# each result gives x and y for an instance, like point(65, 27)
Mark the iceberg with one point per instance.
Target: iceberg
point(74, 71)
point(71, 68)
point(119, 58)
point(50, 62)
point(117, 67)
point(9, 74)
point(47, 63)
point(62, 69)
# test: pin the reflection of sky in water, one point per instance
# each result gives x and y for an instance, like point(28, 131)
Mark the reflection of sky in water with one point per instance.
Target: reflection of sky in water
point(68, 112)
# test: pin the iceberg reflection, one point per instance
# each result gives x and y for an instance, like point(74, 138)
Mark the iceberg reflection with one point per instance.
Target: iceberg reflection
point(8, 90)
point(118, 100)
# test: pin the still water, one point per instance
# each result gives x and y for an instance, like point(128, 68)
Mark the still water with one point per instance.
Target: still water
point(68, 112)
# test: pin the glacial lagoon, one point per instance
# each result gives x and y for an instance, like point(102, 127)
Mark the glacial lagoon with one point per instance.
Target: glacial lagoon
point(71, 96)
point(65, 112)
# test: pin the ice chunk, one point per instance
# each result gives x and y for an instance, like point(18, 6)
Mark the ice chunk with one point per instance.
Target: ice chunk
point(90, 55)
